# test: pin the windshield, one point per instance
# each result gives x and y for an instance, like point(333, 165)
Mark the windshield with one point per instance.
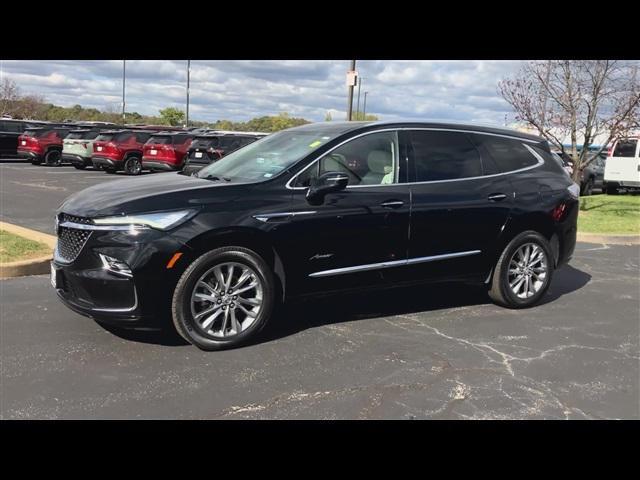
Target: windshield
point(269, 156)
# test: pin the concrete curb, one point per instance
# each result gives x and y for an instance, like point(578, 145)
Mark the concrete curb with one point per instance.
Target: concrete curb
point(610, 239)
point(33, 266)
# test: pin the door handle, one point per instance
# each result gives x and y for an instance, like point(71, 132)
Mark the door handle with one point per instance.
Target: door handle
point(496, 197)
point(392, 204)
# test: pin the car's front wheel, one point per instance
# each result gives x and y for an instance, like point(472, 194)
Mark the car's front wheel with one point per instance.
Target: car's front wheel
point(523, 271)
point(224, 298)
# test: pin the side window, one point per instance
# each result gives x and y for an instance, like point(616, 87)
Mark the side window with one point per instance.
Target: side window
point(507, 154)
point(625, 148)
point(444, 156)
point(142, 137)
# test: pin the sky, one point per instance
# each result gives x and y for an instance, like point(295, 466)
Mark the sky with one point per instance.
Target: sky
point(457, 90)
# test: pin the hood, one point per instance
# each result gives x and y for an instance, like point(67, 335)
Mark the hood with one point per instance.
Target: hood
point(152, 192)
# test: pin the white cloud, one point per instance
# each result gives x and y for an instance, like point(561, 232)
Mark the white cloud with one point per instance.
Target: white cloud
point(239, 90)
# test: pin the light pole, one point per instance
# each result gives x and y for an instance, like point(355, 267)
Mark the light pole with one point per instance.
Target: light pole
point(364, 108)
point(350, 99)
point(358, 107)
point(188, 82)
point(124, 69)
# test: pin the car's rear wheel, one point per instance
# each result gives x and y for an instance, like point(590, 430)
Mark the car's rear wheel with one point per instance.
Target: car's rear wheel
point(587, 188)
point(133, 166)
point(53, 158)
point(79, 166)
point(523, 271)
point(36, 162)
point(612, 190)
point(224, 298)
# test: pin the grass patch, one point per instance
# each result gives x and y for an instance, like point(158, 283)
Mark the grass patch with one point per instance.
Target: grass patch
point(610, 214)
point(14, 248)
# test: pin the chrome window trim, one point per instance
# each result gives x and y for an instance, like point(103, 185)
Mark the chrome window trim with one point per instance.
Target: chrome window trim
point(393, 263)
point(538, 157)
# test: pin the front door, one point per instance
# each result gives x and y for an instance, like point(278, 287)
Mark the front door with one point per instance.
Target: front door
point(355, 234)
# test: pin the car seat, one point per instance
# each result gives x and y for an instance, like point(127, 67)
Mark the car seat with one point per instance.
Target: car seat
point(380, 165)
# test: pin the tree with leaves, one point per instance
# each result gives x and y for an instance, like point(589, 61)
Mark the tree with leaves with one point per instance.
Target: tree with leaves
point(172, 116)
point(9, 96)
point(576, 99)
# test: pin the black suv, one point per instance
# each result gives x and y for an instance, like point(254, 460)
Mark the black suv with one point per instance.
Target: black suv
point(10, 130)
point(209, 147)
point(314, 209)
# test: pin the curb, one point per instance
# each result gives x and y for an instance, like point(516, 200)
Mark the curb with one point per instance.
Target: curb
point(610, 239)
point(33, 266)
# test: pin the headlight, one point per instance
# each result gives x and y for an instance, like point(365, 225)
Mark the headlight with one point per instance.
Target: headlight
point(157, 220)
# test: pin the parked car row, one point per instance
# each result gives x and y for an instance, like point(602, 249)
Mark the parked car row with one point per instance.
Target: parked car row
point(618, 169)
point(111, 147)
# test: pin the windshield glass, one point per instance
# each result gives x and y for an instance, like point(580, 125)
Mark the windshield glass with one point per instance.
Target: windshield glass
point(267, 157)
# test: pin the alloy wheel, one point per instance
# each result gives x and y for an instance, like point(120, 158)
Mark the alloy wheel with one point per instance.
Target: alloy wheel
point(227, 299)
point(528, 270)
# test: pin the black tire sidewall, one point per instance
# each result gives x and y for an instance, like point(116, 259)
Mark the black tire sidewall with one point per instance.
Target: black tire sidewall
point(527, 237)
point(49, 154)
point(129, 161)
point(181, 304)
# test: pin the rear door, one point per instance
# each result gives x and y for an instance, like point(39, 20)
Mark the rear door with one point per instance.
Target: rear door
point(459, 205)
point(623, 166)
point(9, 133)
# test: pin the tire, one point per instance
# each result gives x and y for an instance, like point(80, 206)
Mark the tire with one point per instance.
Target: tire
point(53, 158)
point(210, 334)
point(109, 170)
point(587, 188)
point(36, 162)
point(79, 166)
point(611, 190)
point(133, 165)
point(501, 291)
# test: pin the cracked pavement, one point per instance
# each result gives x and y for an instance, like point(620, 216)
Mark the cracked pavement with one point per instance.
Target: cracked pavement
point(441, 352)
point(434, 352)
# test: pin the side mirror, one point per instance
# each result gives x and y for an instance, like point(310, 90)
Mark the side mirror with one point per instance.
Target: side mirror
point(326, 183)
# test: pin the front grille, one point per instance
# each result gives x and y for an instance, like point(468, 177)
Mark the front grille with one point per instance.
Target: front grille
point(65, 217)
point(71, 240)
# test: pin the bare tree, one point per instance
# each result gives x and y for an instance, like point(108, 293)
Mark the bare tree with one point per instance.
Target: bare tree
point(9, 95)
point(577, 99)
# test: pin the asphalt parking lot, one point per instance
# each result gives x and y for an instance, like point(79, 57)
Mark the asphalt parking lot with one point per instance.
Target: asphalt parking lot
point(444, 352)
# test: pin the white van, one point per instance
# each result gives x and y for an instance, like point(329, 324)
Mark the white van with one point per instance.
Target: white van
point(622, 169)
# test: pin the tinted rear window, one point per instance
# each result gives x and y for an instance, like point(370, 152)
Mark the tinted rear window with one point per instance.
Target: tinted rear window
point(104, 137)
point(122, 137)
point(160, 140)
point(625, 148)
point(84, 135)
point(38, 133)
point(444, 156)
point(205, 142)
point(507, 154)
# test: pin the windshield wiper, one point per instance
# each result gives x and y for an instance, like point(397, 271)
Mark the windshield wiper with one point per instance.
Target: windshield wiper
point(216, 178)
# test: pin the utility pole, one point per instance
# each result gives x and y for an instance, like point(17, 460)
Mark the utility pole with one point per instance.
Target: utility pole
point(124, 69)
point(364, 109)
point(358, 107)
point(350, 83)
point(188, 82)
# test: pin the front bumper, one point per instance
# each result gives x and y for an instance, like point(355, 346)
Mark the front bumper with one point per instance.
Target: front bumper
point(87, 286)
point(158, 165)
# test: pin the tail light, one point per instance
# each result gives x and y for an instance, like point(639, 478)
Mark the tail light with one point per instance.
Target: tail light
point(558, 212)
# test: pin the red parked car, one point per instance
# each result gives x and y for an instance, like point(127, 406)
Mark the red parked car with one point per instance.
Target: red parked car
point(166, 150)
point(43, 144)
point(115, 150)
